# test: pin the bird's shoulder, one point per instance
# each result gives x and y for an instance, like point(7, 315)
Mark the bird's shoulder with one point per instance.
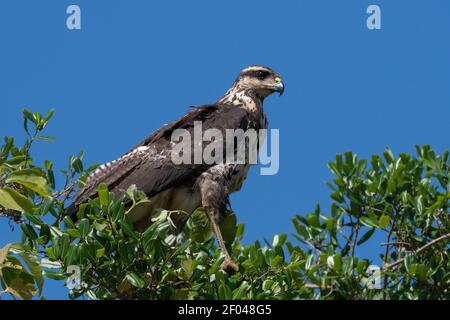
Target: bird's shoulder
point(219, 116)
point(153, 152)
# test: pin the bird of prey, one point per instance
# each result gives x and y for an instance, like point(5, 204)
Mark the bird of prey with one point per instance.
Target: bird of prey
point(186, 187)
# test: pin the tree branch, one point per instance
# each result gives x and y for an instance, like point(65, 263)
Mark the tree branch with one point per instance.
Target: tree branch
point(428, 245)
point(393, 243)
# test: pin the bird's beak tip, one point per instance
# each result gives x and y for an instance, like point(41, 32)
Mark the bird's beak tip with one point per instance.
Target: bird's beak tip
point(279, 87)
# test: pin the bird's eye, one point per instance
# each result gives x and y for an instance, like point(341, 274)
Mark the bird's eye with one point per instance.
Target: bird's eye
point(260, 74)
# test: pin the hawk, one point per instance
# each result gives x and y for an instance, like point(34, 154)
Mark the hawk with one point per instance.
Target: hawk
point(185, 187)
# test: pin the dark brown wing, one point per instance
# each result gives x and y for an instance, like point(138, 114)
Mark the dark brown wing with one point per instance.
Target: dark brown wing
point(149, 166)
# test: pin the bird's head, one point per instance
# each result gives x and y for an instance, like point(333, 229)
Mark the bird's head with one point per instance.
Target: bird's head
point(262, 80)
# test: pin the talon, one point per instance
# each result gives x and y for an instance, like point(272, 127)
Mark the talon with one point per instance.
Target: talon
point(229, 267)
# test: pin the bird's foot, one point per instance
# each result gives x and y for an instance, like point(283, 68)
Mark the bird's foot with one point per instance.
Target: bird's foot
point(229, 266)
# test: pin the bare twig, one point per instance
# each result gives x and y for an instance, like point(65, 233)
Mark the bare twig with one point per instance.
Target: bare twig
point(315, 286)
point(311, 286)
point(11, 215)
point(399, 243)
point(65, 192)
point(312, 246)
point(386, 254)
point(376, 209)
point(355, 240)
point(386, 257)
point(428, 245)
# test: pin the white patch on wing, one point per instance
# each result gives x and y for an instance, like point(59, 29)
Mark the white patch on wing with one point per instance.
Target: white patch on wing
point(139, 151)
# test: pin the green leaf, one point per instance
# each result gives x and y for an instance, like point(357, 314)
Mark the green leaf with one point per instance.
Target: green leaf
point(48, 264)
point(125, 254)
point(330, 224)
point(309, 262)
point(313, 220)
point(410, 265)
point(19, 282)
point(337, 196)
point(118, 212)
point(65, 245)
point(182, 248)
point(419, 204)
point(35, 268)
point(135, 280)
point(33, 218)
point(337, 259)
point(240, 231)
point(69, 223)
point(362, 266)
point(278, 240)
point(55, 275)
point(45, 138)
point(100, 226)
point(88, 251)
point(240, 292)
point(77, 165)
point(17, 160)
point(49, 115)
point(302, 230)
point(228, 228)
point(134, 194)
point(74, 233)
point(46, 205)
point(186, 265)
point(388, 155)
point(22, 287)
point(29, 115)
point(9, 141)
point(84, 227)
point(28, 231)
point(330, 262)
point(201, 230)
point(11, 199)
point(366, 236)
point(51, 253)
point(127, 229)
point(421, 272)
point(100, 252)
point(73, 255)
point(367, 221)
point(347, 265)
point(225, 292)
point(103, 195)
point(267, 284)
point(384, 221)
point(32, 179)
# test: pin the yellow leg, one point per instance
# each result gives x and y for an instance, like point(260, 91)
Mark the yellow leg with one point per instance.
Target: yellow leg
point(228, 265)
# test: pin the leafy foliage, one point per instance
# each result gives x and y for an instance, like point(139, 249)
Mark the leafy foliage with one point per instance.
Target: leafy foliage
point(403, 199)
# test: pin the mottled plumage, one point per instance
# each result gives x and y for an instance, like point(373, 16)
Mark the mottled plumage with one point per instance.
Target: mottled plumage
point(186, 187)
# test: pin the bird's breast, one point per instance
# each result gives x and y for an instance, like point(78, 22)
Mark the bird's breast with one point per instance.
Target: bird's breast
point(182, 200)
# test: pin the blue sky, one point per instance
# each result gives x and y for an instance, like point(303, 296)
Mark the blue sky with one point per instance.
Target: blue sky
point(136, 65)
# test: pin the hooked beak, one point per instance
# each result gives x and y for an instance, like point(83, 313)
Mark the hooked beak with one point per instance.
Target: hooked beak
point(279, 85)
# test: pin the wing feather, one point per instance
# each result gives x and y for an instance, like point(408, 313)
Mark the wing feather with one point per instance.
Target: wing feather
point(149, 166)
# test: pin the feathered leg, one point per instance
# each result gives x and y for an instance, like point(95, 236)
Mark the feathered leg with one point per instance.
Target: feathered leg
point(214, 200)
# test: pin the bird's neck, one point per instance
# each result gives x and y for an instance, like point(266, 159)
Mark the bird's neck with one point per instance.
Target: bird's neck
point(242, 97)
